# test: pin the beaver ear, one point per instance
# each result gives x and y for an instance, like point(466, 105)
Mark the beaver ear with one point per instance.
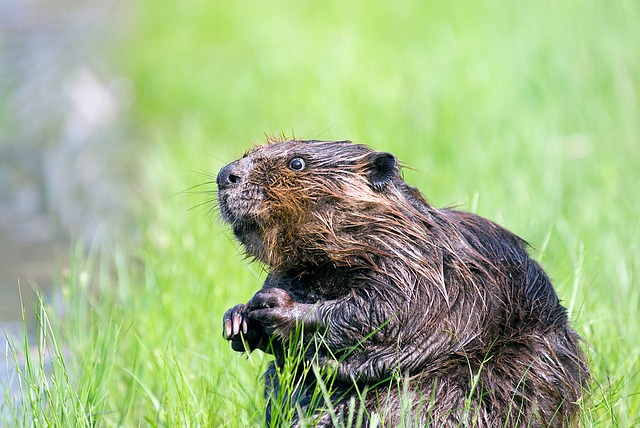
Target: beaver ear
point(382, 168)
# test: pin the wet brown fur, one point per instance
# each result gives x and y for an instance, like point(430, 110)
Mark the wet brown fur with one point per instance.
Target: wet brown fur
point(446, 300)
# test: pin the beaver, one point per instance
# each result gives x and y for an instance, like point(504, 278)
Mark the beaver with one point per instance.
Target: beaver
point(421, 316)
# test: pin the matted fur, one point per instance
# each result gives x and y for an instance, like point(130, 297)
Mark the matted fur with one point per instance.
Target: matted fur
point(447, 301)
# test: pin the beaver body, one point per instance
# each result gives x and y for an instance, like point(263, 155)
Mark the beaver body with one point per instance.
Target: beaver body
point(421, 315)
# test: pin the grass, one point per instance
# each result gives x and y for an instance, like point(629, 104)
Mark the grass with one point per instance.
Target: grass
point(528, 114)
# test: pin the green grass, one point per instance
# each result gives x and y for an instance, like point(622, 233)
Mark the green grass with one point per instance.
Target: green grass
point(528, 114)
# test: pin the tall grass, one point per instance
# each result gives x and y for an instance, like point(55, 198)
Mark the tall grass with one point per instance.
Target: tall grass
point(526, 113)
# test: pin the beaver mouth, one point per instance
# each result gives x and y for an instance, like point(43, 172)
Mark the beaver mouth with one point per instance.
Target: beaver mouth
point(239, 210)
point(235, 209)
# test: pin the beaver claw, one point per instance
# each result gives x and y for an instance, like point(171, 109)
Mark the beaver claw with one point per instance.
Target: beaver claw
point(245, 334)
point(233, 319)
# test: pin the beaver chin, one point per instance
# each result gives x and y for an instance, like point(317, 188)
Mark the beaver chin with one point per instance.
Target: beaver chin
point(248, 233)
point(245, 228)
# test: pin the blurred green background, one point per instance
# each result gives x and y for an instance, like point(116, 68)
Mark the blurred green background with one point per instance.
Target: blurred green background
point(526, 113)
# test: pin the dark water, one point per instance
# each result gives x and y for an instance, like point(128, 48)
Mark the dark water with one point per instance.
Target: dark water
point(64, 159)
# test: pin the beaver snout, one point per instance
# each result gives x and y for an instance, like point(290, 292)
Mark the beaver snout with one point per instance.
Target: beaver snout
point(229, 176)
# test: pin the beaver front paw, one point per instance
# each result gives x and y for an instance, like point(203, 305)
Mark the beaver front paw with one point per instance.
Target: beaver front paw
point(244, 333)
point(276, 310)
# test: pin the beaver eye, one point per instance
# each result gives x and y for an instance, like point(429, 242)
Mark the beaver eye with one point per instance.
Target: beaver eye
point(297, 164)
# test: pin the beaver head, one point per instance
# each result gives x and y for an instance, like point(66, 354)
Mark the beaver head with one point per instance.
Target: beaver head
point(297, 203)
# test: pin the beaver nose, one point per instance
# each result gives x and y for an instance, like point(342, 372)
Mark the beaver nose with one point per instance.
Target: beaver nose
point(228, 177)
